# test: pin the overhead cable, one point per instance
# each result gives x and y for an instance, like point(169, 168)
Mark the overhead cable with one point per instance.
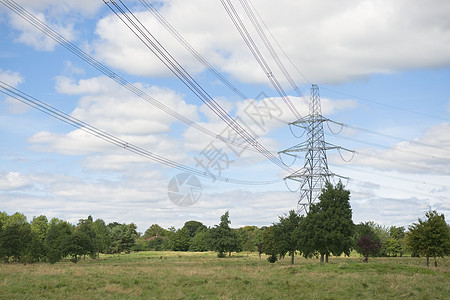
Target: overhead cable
point(188, 47)
point(268, 45)
point(278, 44)
point(231, 11)
point(92, 130)
point(44, 28)
point(388, 106)
point(143, 34)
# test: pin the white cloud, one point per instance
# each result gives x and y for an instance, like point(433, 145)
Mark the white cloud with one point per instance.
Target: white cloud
point(111, 108)
point(10, 77)
point(13, 79)
point(328, 42)
point(71, 69)
point(77, 142)
point(31, 36)
point(13, 181)
point(58, 15)
point(63, 8)
point(426, 154)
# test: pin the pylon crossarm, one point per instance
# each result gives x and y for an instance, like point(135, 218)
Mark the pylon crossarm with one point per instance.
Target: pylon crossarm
point(297, 148)
point(308, 120)
point(301, 177)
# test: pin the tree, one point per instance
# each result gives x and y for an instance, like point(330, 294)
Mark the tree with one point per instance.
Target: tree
point(270, 244)
point(328, 227)
point(193, 226)
point(3, 218)
point(15, 237)
point(430, 237)
point(367, 241)
point(394, 245)
point(155, 230)
point(36, 249)
point(382, 235)
point(123, 237)
point(287, 234)
point(86, 232)
point(368, 245)
point(40, 226)
point(103, 234)
point(249, 236)
point(57, 233)
point(158, 243)
point(75, 245)
point(222, 238)
point(180, 241)
point(199, 242)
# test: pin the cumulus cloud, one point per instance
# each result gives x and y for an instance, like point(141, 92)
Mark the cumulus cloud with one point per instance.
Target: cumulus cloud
point(111, 109)
point(63, 8)
point(31, 36)
point(13, 79)
point(77, 142)
point(13, 181)
point(59, 15)
point(260, 117)
point(426, 154)
point(328, 42)
point(10, 77)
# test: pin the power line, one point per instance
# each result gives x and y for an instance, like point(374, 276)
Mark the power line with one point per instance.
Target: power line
point(144, 35)
point(335, 91)
point(388, 106)
point(231, 11)
point(371, 172)
point(414, 193)
point(388, 136)
point(191, 49)
point(29, 17)
point(404, 164)
point(269, 47)
point(278, 44)
point(92, 130)
point(397, 148)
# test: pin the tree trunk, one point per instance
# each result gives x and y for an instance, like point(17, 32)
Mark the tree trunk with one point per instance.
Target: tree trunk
point(326, 258)
point(292, 258)
point(321, 258)
point(428, 260)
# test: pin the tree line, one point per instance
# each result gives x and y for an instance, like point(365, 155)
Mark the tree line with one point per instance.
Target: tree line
point(327, 229)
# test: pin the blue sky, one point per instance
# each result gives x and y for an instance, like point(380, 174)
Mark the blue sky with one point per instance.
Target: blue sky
point(383, 69)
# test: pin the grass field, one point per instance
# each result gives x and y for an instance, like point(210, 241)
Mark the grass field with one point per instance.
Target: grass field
point(175, 275)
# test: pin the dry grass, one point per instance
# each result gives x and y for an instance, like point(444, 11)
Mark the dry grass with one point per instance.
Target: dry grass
point(173, 275)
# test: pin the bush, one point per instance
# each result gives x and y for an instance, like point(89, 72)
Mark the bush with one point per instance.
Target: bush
point(272, 259)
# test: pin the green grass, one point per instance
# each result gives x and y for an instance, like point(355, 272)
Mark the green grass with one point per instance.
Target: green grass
point(174, 275)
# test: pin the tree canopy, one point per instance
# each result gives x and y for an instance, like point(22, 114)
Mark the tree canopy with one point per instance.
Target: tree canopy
point(430, 237)
point(222, 238)
point(328, 226)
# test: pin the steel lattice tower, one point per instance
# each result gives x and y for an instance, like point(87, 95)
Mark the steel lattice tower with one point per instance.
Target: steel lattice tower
point(315, 172)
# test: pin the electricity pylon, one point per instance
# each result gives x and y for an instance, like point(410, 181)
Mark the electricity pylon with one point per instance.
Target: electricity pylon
point(315, 172)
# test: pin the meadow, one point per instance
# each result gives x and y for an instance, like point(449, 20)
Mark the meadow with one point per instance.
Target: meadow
point(186, 275)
